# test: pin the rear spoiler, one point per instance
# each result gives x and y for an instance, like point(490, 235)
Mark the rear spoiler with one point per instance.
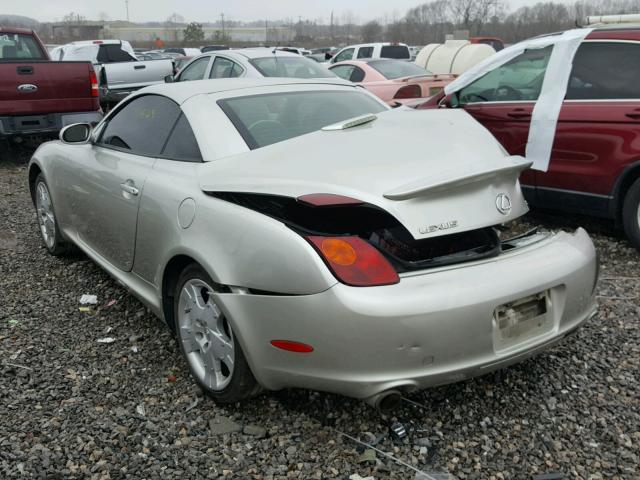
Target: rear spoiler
point(427, 186)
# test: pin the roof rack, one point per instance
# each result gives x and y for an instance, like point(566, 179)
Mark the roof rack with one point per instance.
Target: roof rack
point(596, 20)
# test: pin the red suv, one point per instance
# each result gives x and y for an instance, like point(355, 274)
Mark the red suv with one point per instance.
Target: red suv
point(595, 162)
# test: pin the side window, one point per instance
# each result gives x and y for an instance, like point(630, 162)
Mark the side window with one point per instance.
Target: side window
point(357, 75)
point(517, 80)
point(225, 68)
point(605, 71)
point(195, 70)
point(237, 70)
point(182, 144)
point(142, 126)
point(343, 71)
point(365, 52)
point(344, 55)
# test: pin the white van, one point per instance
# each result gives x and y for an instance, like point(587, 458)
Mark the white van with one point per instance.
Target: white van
point(367, 51)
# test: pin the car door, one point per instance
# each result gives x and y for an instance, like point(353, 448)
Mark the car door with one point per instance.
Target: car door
point(598, 129)
point(503, 100)
point(196, 70)
point(109, 183)
point(167, 197)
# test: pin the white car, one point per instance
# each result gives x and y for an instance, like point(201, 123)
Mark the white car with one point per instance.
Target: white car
point(369, 51)
point(251, 63)
point(300, 233)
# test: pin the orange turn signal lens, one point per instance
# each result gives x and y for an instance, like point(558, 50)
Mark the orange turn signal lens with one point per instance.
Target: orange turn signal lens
point(338, 251)
point(354, 261)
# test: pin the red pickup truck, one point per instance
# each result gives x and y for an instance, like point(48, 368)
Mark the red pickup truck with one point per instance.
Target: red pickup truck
point(595, 161)
point(39, 96)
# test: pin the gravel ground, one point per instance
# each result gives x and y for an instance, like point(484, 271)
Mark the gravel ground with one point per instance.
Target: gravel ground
point(72, 407)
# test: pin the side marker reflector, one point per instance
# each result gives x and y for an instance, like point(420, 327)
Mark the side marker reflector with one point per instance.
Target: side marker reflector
point(291, 346)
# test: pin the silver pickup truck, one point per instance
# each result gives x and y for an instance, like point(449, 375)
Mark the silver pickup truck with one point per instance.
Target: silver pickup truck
point(119, 71)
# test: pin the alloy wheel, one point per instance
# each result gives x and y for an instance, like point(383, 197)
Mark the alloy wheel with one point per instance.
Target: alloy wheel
point(46, 217)
point(206, 336)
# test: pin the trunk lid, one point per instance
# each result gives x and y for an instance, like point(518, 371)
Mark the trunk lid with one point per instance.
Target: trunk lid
point(59, 87)
point(437, 172)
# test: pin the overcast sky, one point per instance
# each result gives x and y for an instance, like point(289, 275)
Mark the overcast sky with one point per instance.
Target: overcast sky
point(209, 10)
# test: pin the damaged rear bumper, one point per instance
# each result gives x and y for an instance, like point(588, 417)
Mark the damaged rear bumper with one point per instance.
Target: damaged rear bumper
point(432, 328)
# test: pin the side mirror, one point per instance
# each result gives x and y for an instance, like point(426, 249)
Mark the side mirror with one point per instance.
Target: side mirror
point(169, 79)
point(327, 56)
point(75, 134)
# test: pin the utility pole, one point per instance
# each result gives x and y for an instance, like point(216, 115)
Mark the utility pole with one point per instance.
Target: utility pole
point(331, 28)
point(222, 24)
point(126, 2)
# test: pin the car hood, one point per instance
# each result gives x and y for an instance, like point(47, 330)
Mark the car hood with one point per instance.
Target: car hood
point(435, 171)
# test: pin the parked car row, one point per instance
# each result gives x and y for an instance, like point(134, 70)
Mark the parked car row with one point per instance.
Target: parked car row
point(319, 225)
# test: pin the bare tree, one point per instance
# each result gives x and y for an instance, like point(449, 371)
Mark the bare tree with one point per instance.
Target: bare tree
point(473, 14)
point(372, 32)
point(74, 18)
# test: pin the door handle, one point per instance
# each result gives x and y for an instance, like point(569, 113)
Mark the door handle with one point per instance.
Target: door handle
point(634, 116)
point(140, 67)
point(519, 114)
point(129, 188)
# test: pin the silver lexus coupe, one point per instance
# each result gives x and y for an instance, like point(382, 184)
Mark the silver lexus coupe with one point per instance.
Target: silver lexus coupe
point(299, 233)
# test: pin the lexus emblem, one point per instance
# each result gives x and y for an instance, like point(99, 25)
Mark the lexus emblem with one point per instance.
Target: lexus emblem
point(503, 204)
point(27, 87)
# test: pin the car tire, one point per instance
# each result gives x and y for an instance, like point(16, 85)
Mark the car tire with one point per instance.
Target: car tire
point(206, 339)
point(47, 221)
point(631, 214)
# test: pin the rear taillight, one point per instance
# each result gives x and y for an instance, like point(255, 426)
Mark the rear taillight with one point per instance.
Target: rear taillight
point(409, 91)
point(354, 261)
point(93, 78)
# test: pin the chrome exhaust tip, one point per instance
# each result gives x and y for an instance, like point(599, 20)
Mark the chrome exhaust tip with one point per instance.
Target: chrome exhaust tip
point(386, 402)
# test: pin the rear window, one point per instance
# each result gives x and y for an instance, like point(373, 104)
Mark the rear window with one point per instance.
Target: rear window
point(15, 46)
point(271, 118)
point(400, 52)
point(290, 67)
point(396, 69)
point(112, 53)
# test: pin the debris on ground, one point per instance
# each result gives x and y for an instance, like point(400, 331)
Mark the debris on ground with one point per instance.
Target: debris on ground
point(106, 340)
point(88, 299)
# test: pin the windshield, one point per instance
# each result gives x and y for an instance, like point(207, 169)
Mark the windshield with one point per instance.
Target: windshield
point(290, 67)
point(397, 69)
point(266, 119)
point(15, 46)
